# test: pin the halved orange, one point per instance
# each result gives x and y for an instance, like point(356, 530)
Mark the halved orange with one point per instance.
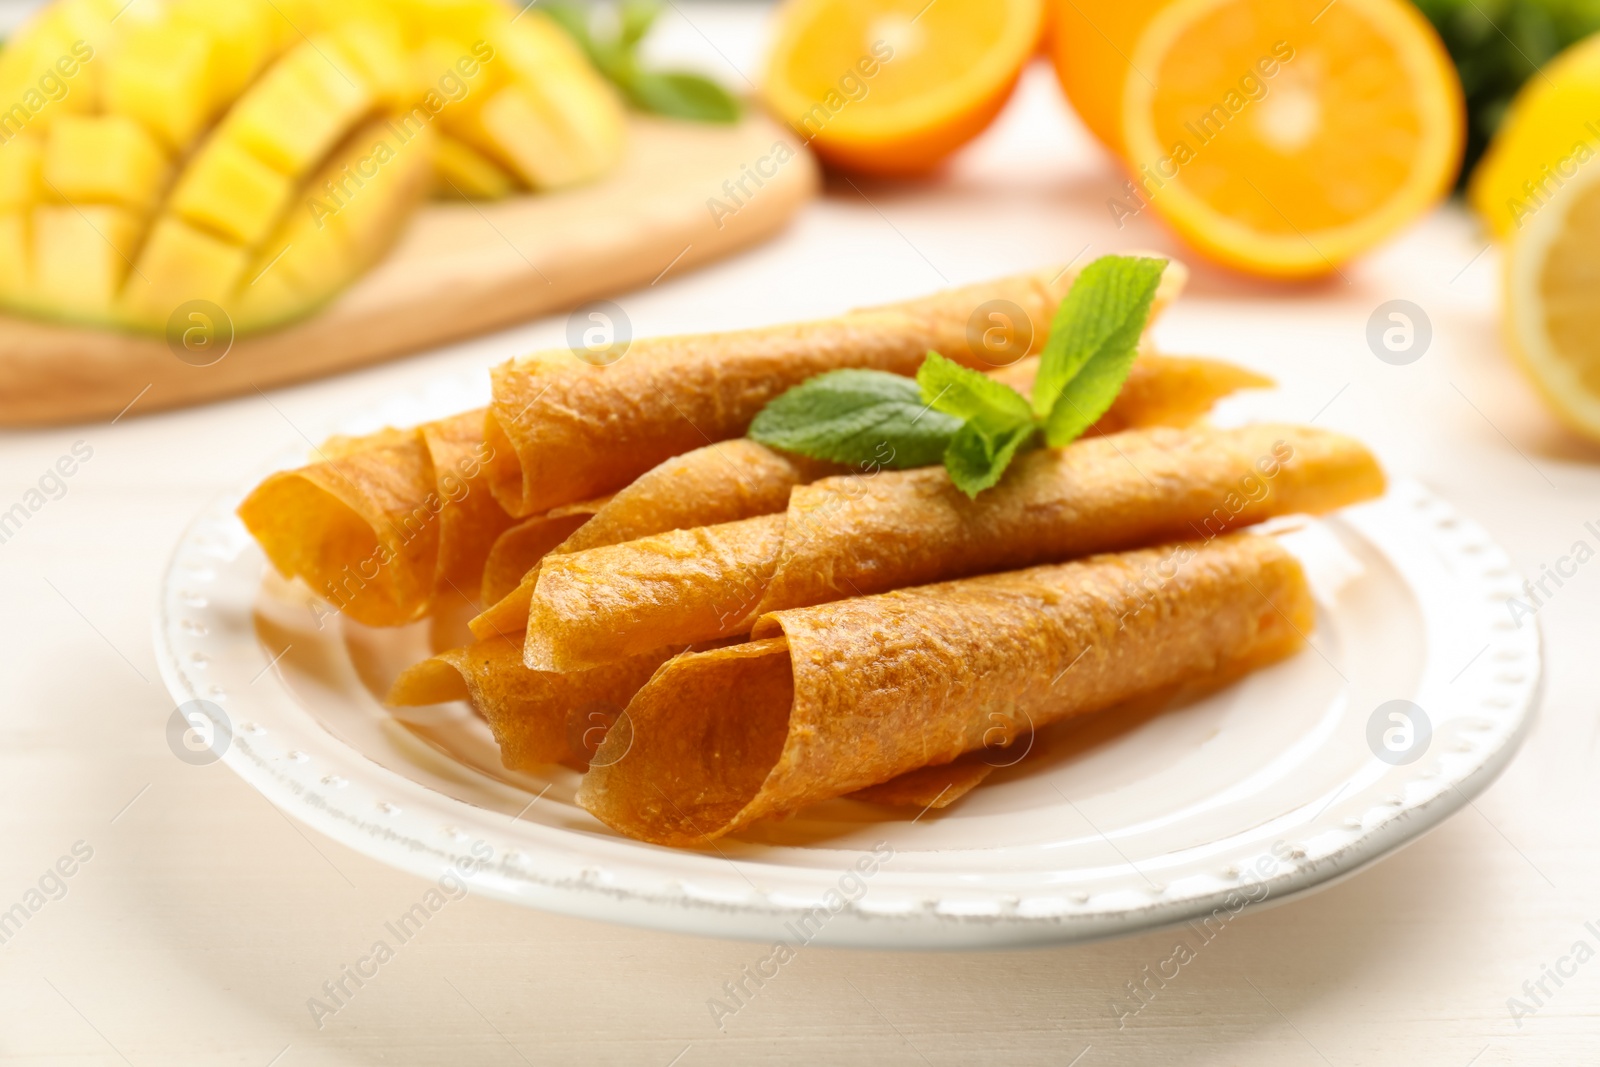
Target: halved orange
point(894, 87)
point(1284, 137)
point(1552, 315)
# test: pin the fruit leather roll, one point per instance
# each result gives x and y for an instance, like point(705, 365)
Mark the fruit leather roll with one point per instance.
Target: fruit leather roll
point(741, 479)
point(383, 522)
point(717, 483)
point(537, 717)
point(853, 536)
point(564, 430)
point(831, 699)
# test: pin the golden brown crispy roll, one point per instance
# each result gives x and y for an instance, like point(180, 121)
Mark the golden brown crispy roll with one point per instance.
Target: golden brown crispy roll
point(1159, 391)
point(470, 519)
point(853, 536)
point(740, 479)
point(363, 525)
point(537, 718)
point(564, 430)
point(522, 546)
point(831, 699)
point(718, 483)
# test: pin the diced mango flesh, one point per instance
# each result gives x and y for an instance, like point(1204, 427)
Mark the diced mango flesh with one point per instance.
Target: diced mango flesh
point(82, 254)
point(228, 190)
point(303, 133)
point(460, 171)
point(162, 75)
point(20, 161)
point(104, 159)
point(14, 252)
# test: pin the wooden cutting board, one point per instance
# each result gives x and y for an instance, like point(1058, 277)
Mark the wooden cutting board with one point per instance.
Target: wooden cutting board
point(460, 269)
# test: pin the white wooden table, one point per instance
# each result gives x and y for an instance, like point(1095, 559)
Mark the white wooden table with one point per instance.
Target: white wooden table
point(202, 919)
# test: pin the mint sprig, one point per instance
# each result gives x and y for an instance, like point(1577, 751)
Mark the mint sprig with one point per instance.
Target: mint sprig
point(975, 424)
point(864, 418)
point(674, 93)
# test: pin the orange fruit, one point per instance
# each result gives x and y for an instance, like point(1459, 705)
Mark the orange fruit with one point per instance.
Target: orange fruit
point(893, 87)
point(1282, 137)
point(1552, 316)
point(1089, 44)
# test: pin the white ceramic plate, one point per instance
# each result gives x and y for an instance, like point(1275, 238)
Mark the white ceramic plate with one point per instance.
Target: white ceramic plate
point(1263, 790)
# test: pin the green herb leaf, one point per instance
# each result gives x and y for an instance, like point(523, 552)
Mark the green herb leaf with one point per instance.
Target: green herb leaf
point(972, 422)
point(976, 460)
point(1088, 396)
point(676, 94)
point(1102, 316)
point(865, 418)
point(681, 95)
point(637, 16)
point(992, 406)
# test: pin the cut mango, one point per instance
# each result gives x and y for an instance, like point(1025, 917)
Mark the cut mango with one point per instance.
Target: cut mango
point(20, 159)
point(181, 263)
point(228, 190)
point(460, 171)
point(162, 75)
point(242, 34)
point(14, 251)
point(353, 206)
point(263, 154)
point(81, 255)
point(297, 112)
point(376, 54)
point(104, 159)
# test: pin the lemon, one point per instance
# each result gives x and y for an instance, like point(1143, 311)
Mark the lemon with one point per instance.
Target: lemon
point(1549, 134)
point(1552, 314)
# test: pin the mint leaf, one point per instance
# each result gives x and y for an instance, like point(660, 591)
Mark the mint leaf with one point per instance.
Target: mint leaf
point(1088, 396)
point(676, 94)
point(680, 95)
point(976, 460)
point(996, 421)
point(860, 417)
point(636, 17)
point(1103, 314)
point(974, 423)
point(992, 406)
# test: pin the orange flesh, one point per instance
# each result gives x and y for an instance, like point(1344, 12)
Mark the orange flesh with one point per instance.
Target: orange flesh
point(1322, 143)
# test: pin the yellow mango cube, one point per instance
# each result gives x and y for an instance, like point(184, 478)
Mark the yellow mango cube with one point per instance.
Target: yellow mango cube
point(461, 171)
point(518, 131)
point(269, 299)
point(243, 36)
point(104, 159)
point(34, 91)
point(162, 75)
point(20, 160)
point(375, 53)
point(181, 263)
point(298, 110)
point(470, 19)
point(81, 255)
point(229, 190)
point(14, 253)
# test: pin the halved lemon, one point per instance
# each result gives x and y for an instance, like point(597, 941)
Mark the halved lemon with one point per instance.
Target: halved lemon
point(1285, 137)
point(1552, 312)
point(893, 87)
point(1551, 130)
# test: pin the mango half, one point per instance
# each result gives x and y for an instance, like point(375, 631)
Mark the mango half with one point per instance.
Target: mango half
point(263, 154)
